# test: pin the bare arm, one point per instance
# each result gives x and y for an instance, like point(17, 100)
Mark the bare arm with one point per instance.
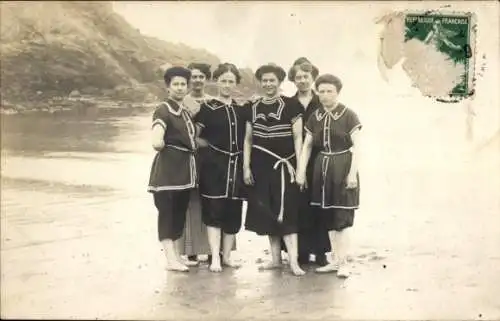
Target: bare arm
point(451, 45)
point(305, 154)
point(429, 36)
point(200, 141)
point(353, 171)
point(297, 137)
point(247, 153)
point(247, 146)
point(158, 132)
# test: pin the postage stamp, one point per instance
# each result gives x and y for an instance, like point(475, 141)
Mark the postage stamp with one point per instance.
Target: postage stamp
point(436, 49)
point(452, 34)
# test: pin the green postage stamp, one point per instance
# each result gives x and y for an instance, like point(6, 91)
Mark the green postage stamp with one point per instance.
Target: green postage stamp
point(447, 41)
point(436, 50)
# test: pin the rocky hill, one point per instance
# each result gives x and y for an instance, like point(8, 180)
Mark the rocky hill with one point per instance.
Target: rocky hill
point(51, 51)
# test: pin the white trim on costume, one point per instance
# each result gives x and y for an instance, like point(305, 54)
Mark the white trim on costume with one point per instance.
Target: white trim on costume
point(159, 121)
point(358, 126)
point(281, 162)
point(335, 206)
point(294, 119)
point(265, 135)
point(191, 184)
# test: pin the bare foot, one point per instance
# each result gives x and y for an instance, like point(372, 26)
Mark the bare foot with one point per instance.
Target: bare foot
point(177, 267)
point(296, 270)
point(270, 266)
point(327, 268)
point(215, 267)
point(344, 271)
point(231, 264)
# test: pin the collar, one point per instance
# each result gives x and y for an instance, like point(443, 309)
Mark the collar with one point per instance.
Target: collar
point(335, 114)
point(269, 101)
point(216, 103)
point(173, 106)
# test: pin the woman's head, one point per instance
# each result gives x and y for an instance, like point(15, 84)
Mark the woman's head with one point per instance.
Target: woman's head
point(270, 77)
point(227, 77)
point(328, 88)
point(177, 81)
point(303, 73)
point(200, 73)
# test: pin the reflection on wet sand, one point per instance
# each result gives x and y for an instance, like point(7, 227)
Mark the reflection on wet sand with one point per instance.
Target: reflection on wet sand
point(78, 232)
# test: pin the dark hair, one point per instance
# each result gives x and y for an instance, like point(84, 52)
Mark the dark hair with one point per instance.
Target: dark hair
point(270, 68)
point(300, 61)
point(176, 71)
point(227, 67)
point(304, 66)
point(204, 68)
point(329, 79)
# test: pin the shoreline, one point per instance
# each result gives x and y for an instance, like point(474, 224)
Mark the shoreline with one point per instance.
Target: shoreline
point(80, 104)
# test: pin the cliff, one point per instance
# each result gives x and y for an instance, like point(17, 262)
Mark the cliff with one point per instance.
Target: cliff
point(53, 50)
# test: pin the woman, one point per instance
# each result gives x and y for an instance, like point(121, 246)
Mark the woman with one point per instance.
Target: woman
point(222, 126)
point(194, 240)
point(334, 129)
point(200, 74)
point(273, 138)
point(173, 172)
point(312, 238)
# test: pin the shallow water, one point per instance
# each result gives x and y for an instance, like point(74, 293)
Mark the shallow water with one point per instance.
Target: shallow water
point(79, 230)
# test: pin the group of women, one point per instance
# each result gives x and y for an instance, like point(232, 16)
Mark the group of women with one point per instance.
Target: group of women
point(293, 159)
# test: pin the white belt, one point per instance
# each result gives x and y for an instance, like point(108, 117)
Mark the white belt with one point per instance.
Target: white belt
point(223, 151)
point(281, 161)
point(334, 153)
point(184, 149)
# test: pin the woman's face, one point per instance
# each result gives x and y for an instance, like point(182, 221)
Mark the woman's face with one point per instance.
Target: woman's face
point(198, 80)
point(226, 83)
point(327, 94)
point(269, 83)
point(178, 88)
point(303, 80)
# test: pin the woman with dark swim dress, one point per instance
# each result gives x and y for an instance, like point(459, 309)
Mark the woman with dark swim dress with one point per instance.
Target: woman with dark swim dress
point(273, 139)
point(311, 237)
point(173, 172)
point(194, 240)
point(334, 129)
point(222, 126)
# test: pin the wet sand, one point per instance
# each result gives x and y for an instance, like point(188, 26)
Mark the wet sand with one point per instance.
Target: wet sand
point(78, 235)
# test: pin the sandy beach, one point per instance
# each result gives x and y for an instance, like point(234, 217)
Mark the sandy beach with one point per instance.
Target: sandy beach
point(78, 232)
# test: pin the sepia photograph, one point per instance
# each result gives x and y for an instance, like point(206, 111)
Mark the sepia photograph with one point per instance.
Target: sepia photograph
point(250, 160)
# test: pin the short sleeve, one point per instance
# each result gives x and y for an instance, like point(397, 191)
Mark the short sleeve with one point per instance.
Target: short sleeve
point(294, 110)
point(310, 124)
point(160, 116)
point(245, 112)
point(201, 117)
point(353, 122)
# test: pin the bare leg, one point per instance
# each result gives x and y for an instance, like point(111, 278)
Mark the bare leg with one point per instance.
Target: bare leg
point(342, 247)
point(333, 265)
point(214, 236)
point(227, 246)
point(275, 243)
point(292, 249)
point(173, 258)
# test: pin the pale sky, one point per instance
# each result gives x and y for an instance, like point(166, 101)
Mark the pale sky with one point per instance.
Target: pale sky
point(338, 37)
point(333, 36)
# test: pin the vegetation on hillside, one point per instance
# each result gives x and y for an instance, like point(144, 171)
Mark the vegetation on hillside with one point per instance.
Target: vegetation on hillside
point(53, 50)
